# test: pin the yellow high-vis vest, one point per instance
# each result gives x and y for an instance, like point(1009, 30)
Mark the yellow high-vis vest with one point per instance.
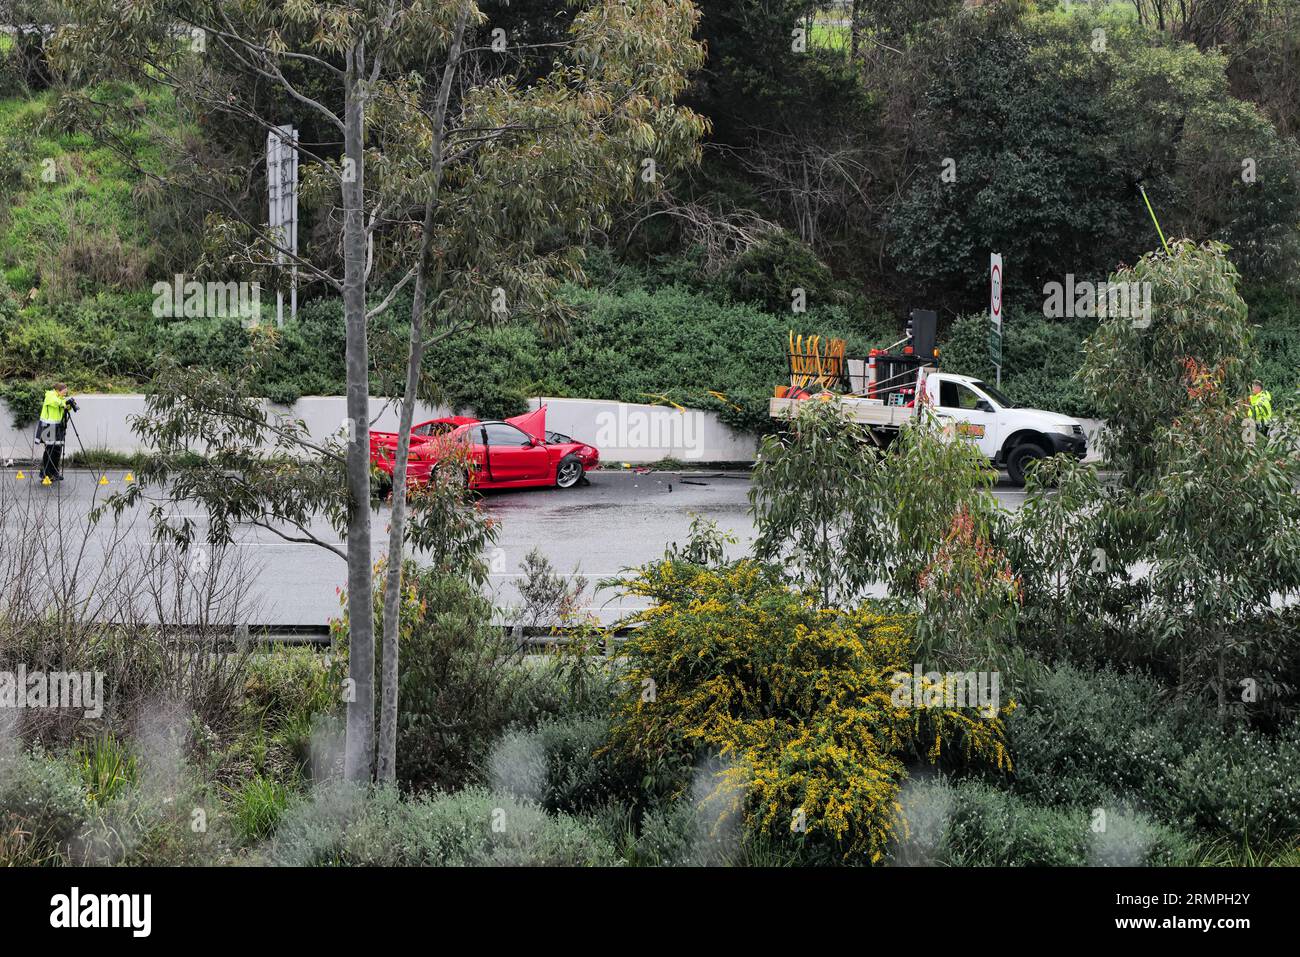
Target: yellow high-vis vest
point(54, 407)
point(1261, 406)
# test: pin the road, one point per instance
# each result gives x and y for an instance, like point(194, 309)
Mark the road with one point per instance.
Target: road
point(620, 520)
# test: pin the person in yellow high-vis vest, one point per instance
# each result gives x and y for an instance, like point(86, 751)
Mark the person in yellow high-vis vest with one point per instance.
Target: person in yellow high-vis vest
point(52, 428)
point(1261, 406)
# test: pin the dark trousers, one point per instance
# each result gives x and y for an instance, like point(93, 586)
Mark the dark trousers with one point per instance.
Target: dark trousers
point(52, 460)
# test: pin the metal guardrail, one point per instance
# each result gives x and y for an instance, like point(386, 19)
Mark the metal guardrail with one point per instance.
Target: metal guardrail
point(318, 636)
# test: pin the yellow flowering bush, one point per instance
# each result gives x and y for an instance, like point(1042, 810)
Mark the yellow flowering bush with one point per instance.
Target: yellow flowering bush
point(797, 700)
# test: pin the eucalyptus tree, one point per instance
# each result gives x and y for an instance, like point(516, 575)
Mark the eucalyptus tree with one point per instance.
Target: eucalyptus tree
point(1206, 502)
point(848, 516)
point(1135, 365)
point(1065, 548)
point(445, 168)
point(1224, 551)
point(813, 483)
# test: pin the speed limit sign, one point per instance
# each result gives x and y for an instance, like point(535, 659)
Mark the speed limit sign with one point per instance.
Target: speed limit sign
point(995, 289)
point(995, 312)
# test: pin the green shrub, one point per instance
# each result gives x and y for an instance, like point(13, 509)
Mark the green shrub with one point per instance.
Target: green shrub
point(34, 345)
point(1089, 739)
point(768, 273)
point(971, 824)
point(167, 820)
point(562, 765)
point(23, 400)
point(463, 682)
point(1039, 358)
point(43, 806)
point(130, 815)
point(343, 825)
point(1096, 740)
point(679, 834)
point(1243, 784)
point(290, 694)
point(217, 343)
point(287, 683)
point(692, 831)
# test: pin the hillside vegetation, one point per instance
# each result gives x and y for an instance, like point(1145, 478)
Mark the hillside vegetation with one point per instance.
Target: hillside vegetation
point(871, 176)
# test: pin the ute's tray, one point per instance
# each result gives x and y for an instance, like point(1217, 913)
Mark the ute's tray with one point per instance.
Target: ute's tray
point(865, 411)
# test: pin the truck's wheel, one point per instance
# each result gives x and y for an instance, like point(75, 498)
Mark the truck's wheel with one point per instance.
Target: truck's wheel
point(568, 472)
point(1020, 458)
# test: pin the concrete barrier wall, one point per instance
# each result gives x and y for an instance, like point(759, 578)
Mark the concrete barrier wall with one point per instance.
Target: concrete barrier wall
point(634, 433)
point(104, 421)
point(102, 424)
point(623, 432)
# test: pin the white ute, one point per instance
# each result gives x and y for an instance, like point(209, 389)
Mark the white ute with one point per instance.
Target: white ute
point(1009, 435)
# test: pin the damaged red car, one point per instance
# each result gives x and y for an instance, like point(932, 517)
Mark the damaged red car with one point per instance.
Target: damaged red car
point(514, 453)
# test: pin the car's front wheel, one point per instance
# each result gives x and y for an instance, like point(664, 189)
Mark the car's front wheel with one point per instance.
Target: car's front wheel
point(569, 472)
point(1020, 458)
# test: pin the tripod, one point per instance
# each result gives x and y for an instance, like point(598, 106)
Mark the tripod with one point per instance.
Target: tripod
point(57, 442)
point(79, 443)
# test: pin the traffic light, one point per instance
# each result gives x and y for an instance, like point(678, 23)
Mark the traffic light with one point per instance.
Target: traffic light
point(923, 333)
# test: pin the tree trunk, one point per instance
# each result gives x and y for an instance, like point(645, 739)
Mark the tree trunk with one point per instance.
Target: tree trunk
point(855, 30)
point(358, 755)
point(387, 771)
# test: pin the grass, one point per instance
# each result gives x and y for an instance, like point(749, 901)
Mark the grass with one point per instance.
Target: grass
point(257, 807)
point(97, 458)
point(1223, 852)
point(72, 223)
point(830, 36)
point(107, 768)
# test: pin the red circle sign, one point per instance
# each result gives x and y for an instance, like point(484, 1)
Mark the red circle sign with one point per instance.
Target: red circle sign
point(997, 289)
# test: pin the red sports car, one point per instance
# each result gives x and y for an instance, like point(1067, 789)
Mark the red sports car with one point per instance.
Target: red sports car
point(516, 453)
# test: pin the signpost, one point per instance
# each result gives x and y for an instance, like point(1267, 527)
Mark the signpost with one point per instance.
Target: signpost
point(995, 313)
point(282, 193)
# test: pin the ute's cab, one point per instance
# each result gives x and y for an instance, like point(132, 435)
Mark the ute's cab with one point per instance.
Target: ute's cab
point(1009, 435)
